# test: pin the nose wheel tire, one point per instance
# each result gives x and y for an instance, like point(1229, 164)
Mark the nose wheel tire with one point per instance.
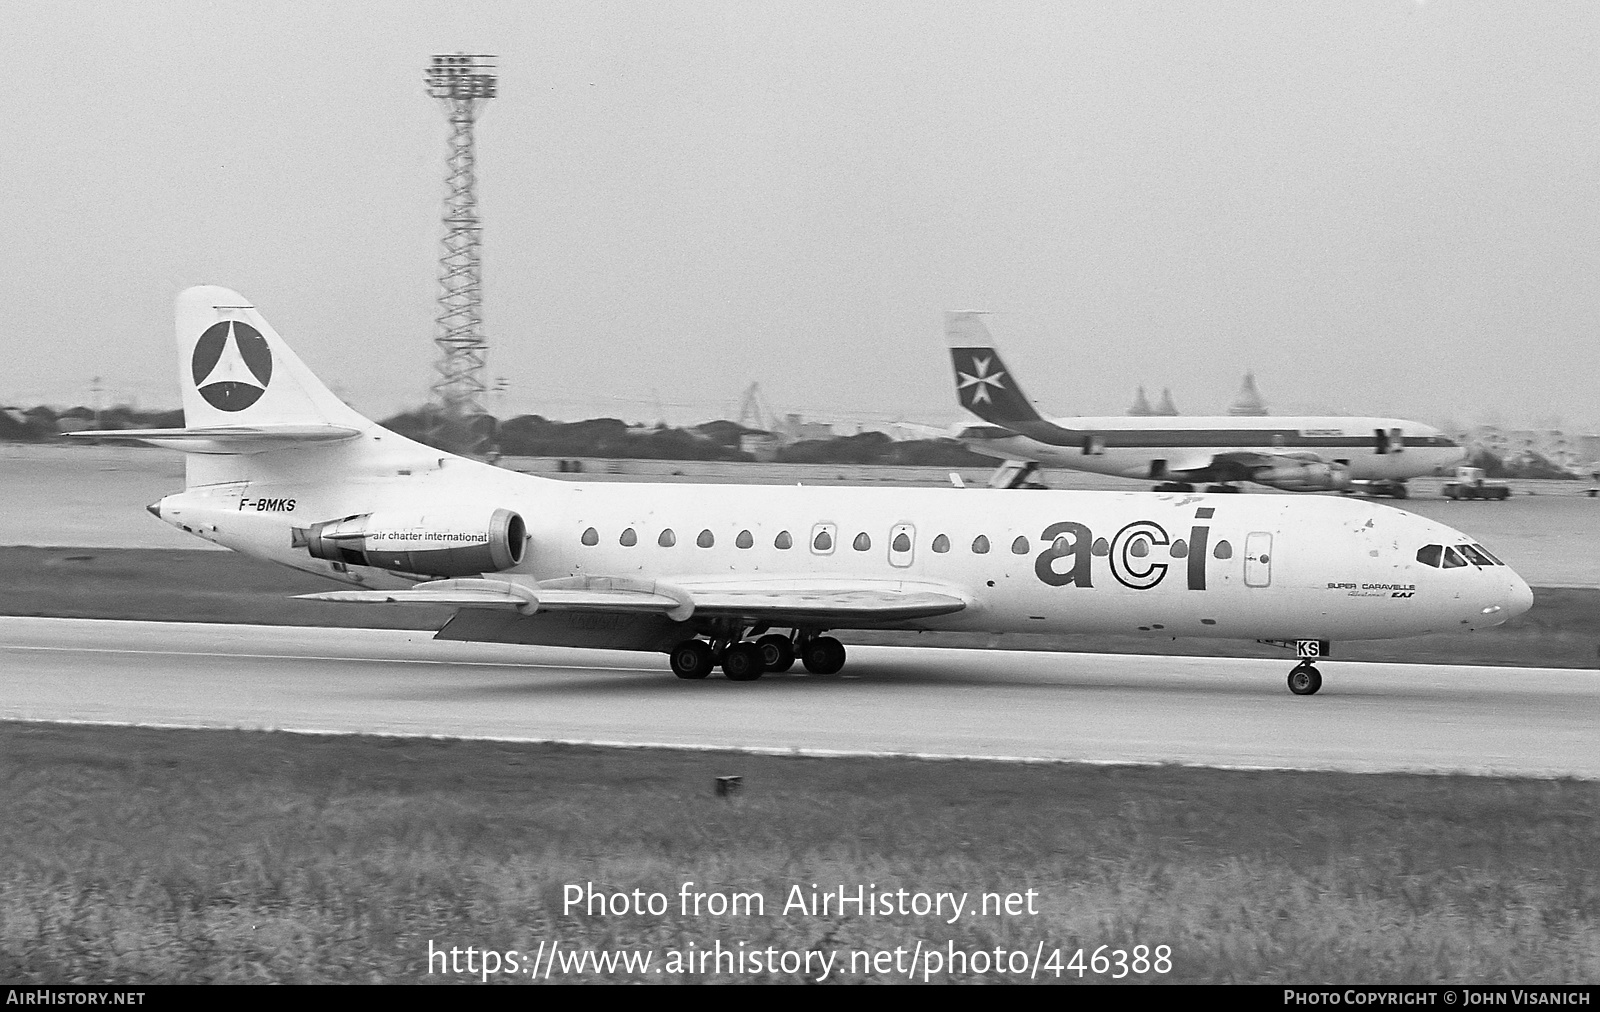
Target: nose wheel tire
point(823, 655)
point(692, 659)
point(777, 653)
point(1305, 680)
point(742, 662)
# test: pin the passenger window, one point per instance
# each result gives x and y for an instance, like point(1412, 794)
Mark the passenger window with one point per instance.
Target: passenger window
point(862, 543)
point(941, 544)
point(1222, 551)
point(1019, 546)
point(783, 542)
point(628, 539)
point(1101, 547)
point(744, 540)
point(822, 536)
point(901, 543)
point(980, 545)
point(1180, 549)
point(705, 540)
point(1429, 555)
point(1140, 548)
point(1453, 559)
point(667, 539)
point(590, 537)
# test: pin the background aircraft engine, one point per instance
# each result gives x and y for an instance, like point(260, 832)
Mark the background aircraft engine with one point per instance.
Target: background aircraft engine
point(1311, 476)
point(459, 541)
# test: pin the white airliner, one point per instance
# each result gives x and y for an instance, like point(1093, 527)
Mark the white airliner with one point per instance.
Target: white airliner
point(1300, 454)
point(752, 577)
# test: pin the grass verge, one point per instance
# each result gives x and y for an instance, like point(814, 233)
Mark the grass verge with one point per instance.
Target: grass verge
point(134, 855)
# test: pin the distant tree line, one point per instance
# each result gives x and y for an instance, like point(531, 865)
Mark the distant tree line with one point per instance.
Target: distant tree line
point(535, 436)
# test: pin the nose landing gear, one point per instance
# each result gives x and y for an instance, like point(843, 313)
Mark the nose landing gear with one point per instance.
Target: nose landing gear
point(1305, 679)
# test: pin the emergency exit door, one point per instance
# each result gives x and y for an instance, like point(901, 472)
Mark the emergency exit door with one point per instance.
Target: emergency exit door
point(1257, 559)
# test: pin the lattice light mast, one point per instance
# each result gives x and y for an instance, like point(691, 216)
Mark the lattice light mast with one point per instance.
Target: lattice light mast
point(462, 83)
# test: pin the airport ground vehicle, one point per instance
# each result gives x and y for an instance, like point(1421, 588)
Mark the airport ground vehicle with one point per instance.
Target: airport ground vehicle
point(752, 577)
point(1470, 483)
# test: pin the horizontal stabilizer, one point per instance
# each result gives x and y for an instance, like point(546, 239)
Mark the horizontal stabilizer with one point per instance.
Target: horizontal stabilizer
point(228, 438)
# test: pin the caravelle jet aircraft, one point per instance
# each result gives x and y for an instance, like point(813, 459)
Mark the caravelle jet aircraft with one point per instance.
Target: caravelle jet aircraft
point(280, 469)
point(1299, 454)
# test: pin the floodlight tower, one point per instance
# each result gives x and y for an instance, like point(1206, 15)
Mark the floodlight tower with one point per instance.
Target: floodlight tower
point(462, 83)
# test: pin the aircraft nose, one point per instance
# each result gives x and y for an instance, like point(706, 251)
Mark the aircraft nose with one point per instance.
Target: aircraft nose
point(1521, 597)
point(1503, 602)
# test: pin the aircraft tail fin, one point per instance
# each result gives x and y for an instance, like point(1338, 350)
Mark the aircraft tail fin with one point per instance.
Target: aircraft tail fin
point(984, 385)
point(246, 393)
point(235, 371)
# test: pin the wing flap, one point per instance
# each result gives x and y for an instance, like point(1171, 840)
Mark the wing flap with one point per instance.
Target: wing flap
point(828, 607)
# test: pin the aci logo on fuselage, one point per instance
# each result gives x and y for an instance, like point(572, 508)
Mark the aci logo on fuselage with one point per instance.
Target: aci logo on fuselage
point(1068, 562)
point(232, 365)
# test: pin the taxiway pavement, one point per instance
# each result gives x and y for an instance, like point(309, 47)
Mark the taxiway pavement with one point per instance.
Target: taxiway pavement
point(1227, 712)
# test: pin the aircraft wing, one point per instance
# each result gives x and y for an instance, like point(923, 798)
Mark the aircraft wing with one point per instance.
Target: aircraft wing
point(776, 601)
point(824, 604)
point(1254, 459)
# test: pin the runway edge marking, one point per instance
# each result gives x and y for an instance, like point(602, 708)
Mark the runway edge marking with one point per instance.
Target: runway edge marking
point(817, 753)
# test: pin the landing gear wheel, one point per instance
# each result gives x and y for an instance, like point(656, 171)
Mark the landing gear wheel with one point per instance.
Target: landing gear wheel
point(1222, 488)
point(1174, 486)
point(692, 659)
point(777, 653)
point(1305, 680)
point(742, 662)
point(823, 655)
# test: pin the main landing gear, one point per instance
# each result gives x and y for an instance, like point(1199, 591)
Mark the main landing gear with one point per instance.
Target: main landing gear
point(1305, 679)
point(745, 660)
point(1174, 486)
point(1224, 487)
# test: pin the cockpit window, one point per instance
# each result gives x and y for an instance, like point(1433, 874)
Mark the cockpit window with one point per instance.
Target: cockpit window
point(1475, 555)
point(1453, 559)
point(1489, 554)
point(1429, 555)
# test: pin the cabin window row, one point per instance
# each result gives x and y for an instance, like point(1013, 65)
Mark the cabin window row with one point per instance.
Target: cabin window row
point(823, 541)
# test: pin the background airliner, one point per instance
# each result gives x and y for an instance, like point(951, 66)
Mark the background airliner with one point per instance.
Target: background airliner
point(1300, 454)
point(751, 577)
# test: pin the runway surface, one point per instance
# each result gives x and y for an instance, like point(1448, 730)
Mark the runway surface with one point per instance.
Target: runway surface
point(999, 704)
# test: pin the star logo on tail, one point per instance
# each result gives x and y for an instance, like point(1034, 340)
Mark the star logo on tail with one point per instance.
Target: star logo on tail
point(981, 379)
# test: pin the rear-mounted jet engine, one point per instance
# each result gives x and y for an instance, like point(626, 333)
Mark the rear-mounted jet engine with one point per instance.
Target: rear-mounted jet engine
point(1311, 476)
point(459, 541)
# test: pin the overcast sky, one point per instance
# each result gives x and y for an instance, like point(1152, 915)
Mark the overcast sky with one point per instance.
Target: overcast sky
point(1385, 207)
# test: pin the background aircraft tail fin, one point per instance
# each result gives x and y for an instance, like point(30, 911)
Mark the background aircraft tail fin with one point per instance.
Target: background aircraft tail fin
point(984, 385)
